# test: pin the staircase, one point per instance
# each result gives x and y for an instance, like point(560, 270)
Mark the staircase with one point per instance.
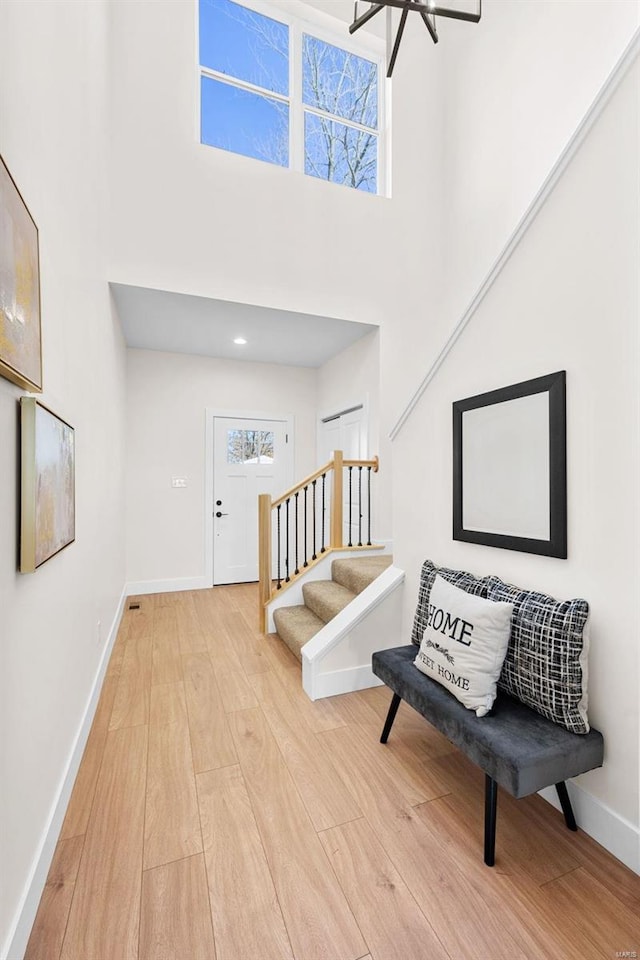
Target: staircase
point(324, 599)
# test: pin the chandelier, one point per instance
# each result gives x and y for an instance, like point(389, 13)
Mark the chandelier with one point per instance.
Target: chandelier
point(469, 10)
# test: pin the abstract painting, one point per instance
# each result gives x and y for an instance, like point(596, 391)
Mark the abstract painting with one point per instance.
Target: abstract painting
point(20, 350)
point(48, 485)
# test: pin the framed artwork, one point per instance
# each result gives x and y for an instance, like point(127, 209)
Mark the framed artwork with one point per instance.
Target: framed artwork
point(510, 467)
point(47, 519)
point(20, 346)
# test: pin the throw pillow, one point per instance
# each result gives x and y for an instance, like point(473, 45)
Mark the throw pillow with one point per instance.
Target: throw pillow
point(546, 664)
point(460, 578)
point(464, 644)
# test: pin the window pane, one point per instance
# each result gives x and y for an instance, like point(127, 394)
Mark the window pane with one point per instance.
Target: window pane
point(342, 154)
point(339, 82)
point(249, 446)
point(266, 447)
point(235, 442)
point(244, 44)
point(244, 122)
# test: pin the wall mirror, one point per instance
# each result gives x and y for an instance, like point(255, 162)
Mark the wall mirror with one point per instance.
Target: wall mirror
point(510, 467)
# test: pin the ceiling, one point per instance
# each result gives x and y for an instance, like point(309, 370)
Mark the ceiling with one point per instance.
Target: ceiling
point(180, 323)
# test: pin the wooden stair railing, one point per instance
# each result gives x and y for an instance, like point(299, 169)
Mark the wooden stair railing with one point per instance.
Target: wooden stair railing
point(297, 522)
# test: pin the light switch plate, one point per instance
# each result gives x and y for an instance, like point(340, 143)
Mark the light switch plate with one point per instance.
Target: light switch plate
point(178, 481)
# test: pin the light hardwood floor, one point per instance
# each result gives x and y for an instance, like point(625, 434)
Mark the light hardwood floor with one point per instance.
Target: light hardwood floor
point(219, 814)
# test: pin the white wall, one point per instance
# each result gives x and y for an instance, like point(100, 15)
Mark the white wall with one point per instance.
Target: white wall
point(194, 219)
point(503, 137)
point(167, 396)
point(567, 299)
point(52, 137)
point(191, 217)
point(514, 89)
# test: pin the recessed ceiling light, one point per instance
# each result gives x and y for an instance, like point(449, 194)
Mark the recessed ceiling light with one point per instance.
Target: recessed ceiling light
point(240, 341)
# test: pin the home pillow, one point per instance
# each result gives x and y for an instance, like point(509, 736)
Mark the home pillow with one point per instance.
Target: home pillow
point(466, 581)
point(464, 644)
point(546, 664)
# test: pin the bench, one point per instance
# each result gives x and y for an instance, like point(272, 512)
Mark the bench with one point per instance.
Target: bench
point(517, 748)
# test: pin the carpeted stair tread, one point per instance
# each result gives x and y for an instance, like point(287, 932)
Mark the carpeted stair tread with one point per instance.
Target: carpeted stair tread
point(326, 598)
point(296, 625)
point(358, 572)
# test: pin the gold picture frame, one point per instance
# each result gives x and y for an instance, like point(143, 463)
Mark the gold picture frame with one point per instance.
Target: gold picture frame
point(20, 334)
point(47, 495)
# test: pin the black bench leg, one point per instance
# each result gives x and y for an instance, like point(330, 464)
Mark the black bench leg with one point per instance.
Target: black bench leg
point(393, 709)
point(565, 803)
point(490, 811)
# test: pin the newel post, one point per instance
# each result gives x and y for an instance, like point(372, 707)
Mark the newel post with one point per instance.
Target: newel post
point(336, 501)
point(264, 556)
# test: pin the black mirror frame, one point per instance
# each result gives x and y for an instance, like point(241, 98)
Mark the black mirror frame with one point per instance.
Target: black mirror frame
point(556, 546)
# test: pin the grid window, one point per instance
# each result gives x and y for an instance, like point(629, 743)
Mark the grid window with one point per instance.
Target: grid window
point(276, 91)
point(249, 446)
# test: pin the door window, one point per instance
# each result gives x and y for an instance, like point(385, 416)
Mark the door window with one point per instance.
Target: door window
point(250, 446)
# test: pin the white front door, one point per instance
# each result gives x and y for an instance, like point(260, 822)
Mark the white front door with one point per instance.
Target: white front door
point(250, 456)
point(347, 431)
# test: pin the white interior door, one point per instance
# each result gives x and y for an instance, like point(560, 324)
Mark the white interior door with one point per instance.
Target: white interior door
point(250, 456)
point(347, 431)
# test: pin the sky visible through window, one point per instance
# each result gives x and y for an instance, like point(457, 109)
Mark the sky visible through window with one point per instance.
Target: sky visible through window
point(249, 48)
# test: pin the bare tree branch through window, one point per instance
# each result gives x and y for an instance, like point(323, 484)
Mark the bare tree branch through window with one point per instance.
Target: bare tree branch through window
point(246, 105)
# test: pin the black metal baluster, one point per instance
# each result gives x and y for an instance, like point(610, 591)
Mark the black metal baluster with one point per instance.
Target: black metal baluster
point(369, 506)
point(350, 504)
point(286, 555)
point(278, 578)
point(313, 555)
point(359, 506)
point(306, 525)
point(322, 521)
point(297, 570)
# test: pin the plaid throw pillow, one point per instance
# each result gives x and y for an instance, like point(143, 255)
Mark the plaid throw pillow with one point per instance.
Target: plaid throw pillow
point(546, 663)
point(459, 578)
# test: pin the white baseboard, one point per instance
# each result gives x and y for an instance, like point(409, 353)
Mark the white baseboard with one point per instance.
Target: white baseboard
point(18, 937)
point(346, 681)
point(137, 588)
point(608, 828)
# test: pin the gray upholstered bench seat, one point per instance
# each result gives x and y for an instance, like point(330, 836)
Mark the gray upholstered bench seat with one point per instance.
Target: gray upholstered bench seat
point(514, 746)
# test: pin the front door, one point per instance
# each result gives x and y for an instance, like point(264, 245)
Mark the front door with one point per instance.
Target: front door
point(250, 457)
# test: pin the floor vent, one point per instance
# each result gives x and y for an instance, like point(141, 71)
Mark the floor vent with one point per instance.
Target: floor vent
point(134, 606)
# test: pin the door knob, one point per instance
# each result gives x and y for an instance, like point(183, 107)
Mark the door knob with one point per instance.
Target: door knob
point(219, 514)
